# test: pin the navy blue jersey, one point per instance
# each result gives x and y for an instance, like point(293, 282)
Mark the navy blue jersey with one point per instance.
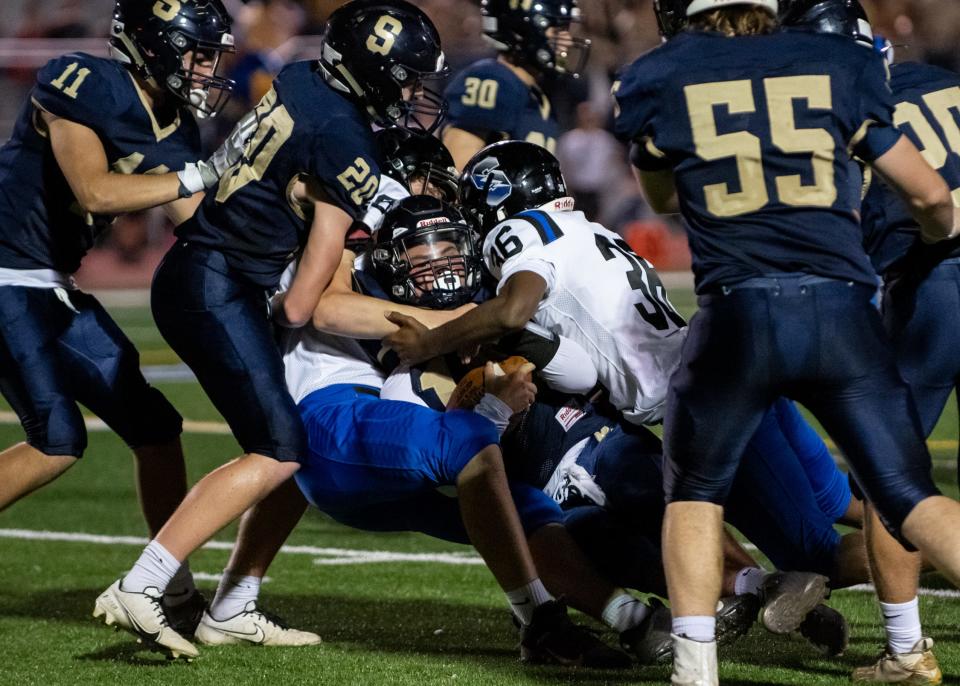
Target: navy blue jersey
point(759, 132)
point(489, 100)
point(306, 129)
point(927, 111)
point(41, 224)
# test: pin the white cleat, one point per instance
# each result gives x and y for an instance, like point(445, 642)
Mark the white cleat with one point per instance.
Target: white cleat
point(142, 615)
point(694, 663)
point(251, 626)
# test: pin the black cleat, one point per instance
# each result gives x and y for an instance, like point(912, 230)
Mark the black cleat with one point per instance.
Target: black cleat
point(827, 630)
point(788, 597)
point(185, 617)
point(650, 641)
point(735, 615)
point(551, 638)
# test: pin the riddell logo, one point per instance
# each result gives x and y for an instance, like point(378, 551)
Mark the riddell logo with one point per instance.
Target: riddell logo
point(562, 204)
point(431, 222)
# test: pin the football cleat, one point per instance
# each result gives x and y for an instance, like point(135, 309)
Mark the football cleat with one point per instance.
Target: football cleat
point(695, 663)
point(142, 615)
point(649, 641)
point(788, 597)
point(184, 617)
point(253, 626)
point(736, 614)
point(919, 666)
point(551, 638)
point(826, 629)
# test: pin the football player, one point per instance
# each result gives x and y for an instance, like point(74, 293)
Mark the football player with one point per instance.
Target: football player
point(305, 175)
point(920, 287)
point(749, 131)
point(99, 137)
point(500, 99)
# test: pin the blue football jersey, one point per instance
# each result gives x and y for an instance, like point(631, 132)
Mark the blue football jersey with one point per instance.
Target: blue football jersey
point(759, 131)
point(928, 112)
point(489, 100)
point(41, 224)
point(305, 129)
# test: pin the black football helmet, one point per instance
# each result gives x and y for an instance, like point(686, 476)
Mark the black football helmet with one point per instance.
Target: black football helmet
point(673, 15)
point(519, 28)
point(425, 254)
point(408, 155)
point(153, 36)
point(507, 178)
point(375, 50)
point(846, 17)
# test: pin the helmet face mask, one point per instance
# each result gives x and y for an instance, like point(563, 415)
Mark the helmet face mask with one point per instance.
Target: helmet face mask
point(176, 45)
point(426, 255)
point(381, 54)
point(538, 35)
point(421, 163)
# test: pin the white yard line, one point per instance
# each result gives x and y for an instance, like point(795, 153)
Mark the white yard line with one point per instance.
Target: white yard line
point(322, 556)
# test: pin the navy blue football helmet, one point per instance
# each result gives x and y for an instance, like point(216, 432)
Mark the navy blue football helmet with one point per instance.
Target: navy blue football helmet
point(846, 17)
point(154, 36)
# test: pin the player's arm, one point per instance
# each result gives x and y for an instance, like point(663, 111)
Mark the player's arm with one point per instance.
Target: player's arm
point(83, 161)
point(924, 190)
point(181, 210)
point(659, 190)
point(344, 312)
point(462, 144)
point(513, 307)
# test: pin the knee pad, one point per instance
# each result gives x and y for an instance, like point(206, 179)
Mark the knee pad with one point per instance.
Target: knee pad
point(60, 431)
point(536, 508)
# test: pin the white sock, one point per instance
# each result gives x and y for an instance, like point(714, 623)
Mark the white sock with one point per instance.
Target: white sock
point(233, 594)
point(155, 568)
point(749, 580)
point(700, 629)
point(525, 599)
point(902, 622)
point(624, 612)
point(180, 588)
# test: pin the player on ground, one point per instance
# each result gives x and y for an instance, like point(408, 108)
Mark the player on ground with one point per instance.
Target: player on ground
point(919, 312)
point(97, 138)
point(501, 99)
point(749, 130)
point(304, 177)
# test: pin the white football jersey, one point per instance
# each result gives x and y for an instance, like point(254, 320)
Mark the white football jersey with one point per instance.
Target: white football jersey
point(313, 359)
point(601, 296)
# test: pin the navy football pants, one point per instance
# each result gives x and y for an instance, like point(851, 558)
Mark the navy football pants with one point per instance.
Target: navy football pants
point(58, 348)
point(217, 323)
point(924, 322)
point(818, 341)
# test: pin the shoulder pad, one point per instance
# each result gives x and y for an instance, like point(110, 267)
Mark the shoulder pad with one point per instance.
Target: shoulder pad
point(84, 89)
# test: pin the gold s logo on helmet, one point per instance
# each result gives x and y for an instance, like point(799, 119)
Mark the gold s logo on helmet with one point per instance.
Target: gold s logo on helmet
point(384, 35)
point(166, 9)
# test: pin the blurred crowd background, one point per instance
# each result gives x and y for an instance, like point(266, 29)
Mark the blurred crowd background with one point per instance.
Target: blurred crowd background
point(271, 33)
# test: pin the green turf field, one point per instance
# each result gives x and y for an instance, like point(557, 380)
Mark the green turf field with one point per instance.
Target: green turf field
point(392, 608)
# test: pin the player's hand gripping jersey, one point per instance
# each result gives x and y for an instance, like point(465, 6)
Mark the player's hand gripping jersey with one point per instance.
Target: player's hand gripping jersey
point(41, 224)
point(601, 296)
point(303, 126)
point(927, 105)
point(490, 101)
point(762, 165)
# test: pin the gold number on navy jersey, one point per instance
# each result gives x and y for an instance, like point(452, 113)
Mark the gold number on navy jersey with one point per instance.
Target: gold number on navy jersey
point(746, 148)
point(60, 83)
point(384, 35)
point(945, 106)
point(543, 140)
point(274, 129)
point(480, 92)
point(358, 181)
point(525, 5)
point(166, 9)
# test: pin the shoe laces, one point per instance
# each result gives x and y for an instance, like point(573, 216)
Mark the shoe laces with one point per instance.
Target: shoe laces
point(271, 618)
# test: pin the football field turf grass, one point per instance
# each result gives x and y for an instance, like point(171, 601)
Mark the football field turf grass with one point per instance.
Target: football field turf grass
point(391, 608)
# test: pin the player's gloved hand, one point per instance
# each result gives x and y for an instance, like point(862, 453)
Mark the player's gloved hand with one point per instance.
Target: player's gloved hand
point(199, 176)
point(516, 389)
